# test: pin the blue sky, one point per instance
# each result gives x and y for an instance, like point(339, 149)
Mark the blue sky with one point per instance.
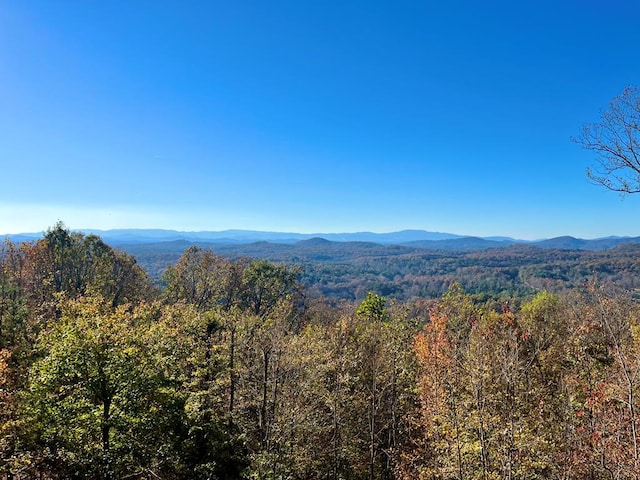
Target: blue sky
point(309, 116)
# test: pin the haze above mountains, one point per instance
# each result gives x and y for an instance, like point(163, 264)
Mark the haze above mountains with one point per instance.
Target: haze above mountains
point(412, 238)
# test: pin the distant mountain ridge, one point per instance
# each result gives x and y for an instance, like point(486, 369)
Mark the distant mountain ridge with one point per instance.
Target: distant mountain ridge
point(120, 236)
point(409, 238)
point(251, 236)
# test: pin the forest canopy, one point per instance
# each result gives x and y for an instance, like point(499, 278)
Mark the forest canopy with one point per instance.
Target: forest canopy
point(230, 369)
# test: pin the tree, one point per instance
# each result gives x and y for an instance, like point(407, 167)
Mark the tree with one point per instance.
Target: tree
point(616, 142)
point(382, 391)
point(545, 336)
point(201, 278)
point(12, 296)
point(440, 453)
point(374, 308)
point(189, 352)
point(321, 400)
point(98, 402)
point(265, 285)
point(78, 265)
point(7, 410)
point(607, 385)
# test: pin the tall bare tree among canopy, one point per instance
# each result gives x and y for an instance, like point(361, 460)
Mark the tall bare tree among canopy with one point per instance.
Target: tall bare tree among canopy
point(616, 142)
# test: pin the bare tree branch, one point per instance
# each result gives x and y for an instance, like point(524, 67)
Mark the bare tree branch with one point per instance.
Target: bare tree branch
point(616, 142)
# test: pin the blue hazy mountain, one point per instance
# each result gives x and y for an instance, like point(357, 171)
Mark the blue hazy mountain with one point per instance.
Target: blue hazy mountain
point(409, 238)
point(251, 236)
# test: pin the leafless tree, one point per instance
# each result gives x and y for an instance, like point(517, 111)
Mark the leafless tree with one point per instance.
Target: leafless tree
point(616, 142)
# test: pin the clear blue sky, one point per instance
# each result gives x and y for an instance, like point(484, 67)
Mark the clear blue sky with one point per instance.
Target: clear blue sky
point(311, 116)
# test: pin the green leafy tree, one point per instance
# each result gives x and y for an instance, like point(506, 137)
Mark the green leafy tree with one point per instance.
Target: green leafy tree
point(544, 337)
point(373, 308)
point(189, 347)
point(99, 404)
point(266, 284)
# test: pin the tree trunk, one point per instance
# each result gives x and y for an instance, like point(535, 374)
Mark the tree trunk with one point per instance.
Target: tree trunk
point(106, 448)
point(263, 406)
point(232, 375)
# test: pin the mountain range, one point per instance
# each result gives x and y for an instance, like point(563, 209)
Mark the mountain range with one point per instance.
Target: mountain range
point(409, 238)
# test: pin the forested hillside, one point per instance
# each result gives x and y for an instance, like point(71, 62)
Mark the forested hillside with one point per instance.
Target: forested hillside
point(232, 369)
point(348, 270)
